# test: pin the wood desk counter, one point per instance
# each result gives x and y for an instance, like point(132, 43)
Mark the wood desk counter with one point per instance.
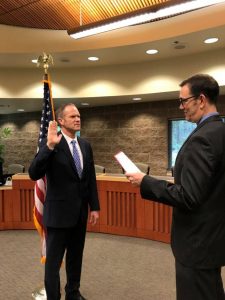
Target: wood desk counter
point(123, 211)
point(5, 188)
point(16, 203)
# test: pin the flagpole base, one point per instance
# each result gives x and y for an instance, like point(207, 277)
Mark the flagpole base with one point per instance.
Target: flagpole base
point(39, 294)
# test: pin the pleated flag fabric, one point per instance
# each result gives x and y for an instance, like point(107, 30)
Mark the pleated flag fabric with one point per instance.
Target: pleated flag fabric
point(40, 185)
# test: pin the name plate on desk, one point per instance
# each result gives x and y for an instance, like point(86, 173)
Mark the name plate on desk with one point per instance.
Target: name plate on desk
point(8, 181)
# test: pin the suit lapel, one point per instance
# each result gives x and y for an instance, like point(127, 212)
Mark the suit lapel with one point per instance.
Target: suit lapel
point(83, 151)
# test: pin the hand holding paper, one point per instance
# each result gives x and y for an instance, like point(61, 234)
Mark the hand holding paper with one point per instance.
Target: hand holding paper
point(134, 175)
point(126, 163)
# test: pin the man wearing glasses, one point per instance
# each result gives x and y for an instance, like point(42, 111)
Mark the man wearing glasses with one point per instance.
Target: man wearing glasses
point(197, 195)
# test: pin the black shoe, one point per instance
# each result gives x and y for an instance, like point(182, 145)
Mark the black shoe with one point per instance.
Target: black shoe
point(78, 296)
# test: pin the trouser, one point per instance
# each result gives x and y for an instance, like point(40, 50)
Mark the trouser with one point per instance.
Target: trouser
point(58, 240)
point(198, 284)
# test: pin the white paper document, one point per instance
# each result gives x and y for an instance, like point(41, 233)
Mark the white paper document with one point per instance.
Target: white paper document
point(126, 163)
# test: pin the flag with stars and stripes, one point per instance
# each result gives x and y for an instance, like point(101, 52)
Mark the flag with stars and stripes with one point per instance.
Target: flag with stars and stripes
point(40, 185)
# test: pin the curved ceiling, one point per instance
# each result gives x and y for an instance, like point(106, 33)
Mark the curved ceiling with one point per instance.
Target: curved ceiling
point(189, 29)
point(67, 14)
point(124, 46)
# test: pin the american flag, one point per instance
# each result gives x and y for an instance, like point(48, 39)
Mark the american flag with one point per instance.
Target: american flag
point(40, 185)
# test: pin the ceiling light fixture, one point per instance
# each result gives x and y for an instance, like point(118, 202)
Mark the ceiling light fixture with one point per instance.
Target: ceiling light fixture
point(93, 58)
point(152, 51)
point(211, 40)
point(136, 99)
point(148, 14)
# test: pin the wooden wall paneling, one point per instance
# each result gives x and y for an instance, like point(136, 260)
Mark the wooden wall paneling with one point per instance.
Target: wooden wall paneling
point(6, 208)
point(95, 228)
point(103, 207)
point(2, 209)
point(145, 217)
point(123, 211)
point(119, 208)
point(168, 219)
point(157, 221)
point(140, 214)
point(23, 204)
point(27, 206)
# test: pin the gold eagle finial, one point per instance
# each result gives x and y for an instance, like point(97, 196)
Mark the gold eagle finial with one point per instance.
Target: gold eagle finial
point(45, 60)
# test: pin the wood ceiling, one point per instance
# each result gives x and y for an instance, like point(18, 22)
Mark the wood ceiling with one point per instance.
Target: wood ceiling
point(67, 14)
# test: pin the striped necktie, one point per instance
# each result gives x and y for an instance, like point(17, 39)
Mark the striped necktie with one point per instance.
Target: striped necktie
point(76, 158)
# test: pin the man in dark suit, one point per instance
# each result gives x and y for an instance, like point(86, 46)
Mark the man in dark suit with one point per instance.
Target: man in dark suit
point(70, 189)
point(197, 195)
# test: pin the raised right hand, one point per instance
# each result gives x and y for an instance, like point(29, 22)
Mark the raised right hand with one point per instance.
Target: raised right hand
point(53, 138)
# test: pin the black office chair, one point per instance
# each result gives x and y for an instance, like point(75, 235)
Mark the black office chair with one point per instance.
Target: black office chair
point(99, 169)
point(15, 168)
point(145, 168)
point(172, 171)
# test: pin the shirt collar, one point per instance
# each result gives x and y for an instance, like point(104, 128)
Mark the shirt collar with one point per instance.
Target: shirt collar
point(68, 138)
point(207, 116)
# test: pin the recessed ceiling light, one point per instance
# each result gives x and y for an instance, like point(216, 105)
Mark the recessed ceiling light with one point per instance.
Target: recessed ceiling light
point(211, 40)
point(20, 109)
point(85, 104)
point(152, 51)
point(93, 58)
point(136, 98)
point(34, 61)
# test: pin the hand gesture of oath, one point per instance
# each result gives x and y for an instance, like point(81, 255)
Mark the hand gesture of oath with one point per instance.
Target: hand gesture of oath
point(53, 138)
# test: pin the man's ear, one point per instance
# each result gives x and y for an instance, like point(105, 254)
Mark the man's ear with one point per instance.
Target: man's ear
point(203, 99)
point(60, 121)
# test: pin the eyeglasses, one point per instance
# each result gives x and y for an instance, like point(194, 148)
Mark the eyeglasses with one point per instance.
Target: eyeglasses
point(183, 101)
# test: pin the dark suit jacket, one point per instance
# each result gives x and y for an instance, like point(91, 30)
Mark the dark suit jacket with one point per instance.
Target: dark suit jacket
point(67, 195)
point(198, 197)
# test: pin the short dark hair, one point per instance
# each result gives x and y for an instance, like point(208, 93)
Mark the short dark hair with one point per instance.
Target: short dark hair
point(60, 110)
point(203, 84)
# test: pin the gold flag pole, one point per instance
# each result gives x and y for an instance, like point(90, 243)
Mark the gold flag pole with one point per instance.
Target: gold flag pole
point(45, 61)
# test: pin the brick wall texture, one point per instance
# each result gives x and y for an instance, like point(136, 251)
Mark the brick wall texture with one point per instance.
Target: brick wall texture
point(138, 129)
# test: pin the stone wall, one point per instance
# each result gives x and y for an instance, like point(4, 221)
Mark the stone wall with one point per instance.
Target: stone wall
point(21, 146)
point(138, 129)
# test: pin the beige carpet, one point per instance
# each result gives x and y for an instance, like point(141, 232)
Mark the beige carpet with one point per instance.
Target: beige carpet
point(114, 268)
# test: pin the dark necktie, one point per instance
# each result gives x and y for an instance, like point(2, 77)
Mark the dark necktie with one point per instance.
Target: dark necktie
point(76, 158)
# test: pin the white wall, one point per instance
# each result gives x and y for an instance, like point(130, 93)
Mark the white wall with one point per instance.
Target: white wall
point(142, 78)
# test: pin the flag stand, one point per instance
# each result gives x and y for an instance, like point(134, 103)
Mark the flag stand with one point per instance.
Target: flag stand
point(39, 294)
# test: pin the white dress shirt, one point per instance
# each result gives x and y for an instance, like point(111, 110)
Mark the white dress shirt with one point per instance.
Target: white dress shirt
point(69, 140)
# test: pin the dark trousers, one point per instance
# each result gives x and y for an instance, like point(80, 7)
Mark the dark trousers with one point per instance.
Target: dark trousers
point(58, 241)
point(198, 284)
